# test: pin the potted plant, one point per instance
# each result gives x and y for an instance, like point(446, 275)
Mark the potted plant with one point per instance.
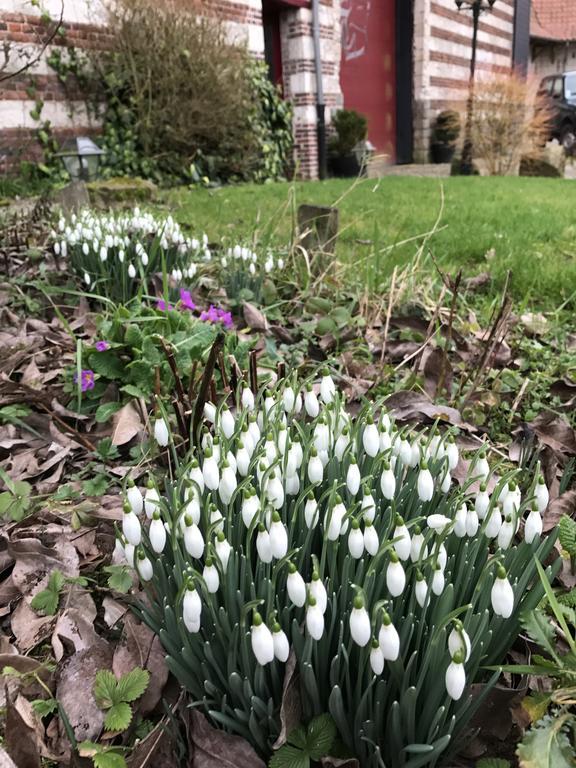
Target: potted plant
point(444, 136)
point(348, 145)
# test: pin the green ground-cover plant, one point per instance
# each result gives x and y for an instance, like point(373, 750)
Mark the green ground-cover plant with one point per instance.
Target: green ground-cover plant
point(296, 528)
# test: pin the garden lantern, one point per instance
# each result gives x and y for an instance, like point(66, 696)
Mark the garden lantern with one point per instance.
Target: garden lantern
point(81, 158)
point(477, 7)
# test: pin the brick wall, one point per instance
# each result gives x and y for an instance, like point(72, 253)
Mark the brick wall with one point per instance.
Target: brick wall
point(442, 50)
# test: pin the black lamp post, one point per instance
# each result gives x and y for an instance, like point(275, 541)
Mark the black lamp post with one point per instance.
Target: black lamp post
point(81, 158)
point(477, 7)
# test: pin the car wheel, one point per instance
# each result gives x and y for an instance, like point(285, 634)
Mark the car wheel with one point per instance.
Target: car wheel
point(568, 139)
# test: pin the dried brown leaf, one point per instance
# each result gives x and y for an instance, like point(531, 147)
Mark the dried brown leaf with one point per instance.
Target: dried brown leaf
point(217, 749)
point(22, 743)
point(126, 425)
point(291, 704)
point(562, 505)
point(254, 318)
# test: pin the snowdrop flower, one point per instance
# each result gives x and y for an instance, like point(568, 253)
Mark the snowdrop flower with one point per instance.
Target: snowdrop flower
point(151, 499)
point(210, 412)
point(131, 526)
point(512, 501)
point(368, 508)
point(210, 471)
point(438, 523)
point(446, 482)
point(342, 443)
point(493, 524)
point(131, 271)
point(129, 553)
point(371, 541)
point(459, 641)
point(281, 644)
point(442, 557)
point(315, 467)
point(311, 404)
point(247, 399)
point(418, 548)
point(288, 399)
point(103, 253)
point(262, 641)
point(502, 595)
point(385, 439)
point(405, 452)
point(452, 452)
point(144, 259)
point(293, 485)
point(482, 502)
point(263, 544)
point(335, 519)
point(371, 438)
point(321, 436)
point(460, 521)
point(356, 540)
point(250, 506)
point(421, 589)
point(210, 576)
point(193, 539)
point(506, 533)
point(314, 619)
point(275, 491)
point(425, 483)
point(161, 433)
point(278, 537)
point(389, 639)
point(353, 477)
point(134, 497)
point(318, 592)
point(376, 658)
point(388, 482)
point(242, 460)
point(533, 525)
point(472, 523)
point(254, 428)
point(87, 279)
point(227, 423)
point(223, 550)
point(228, 483)
point(360, 629)
point(144, 566)
point(401, 535)
point(157, 533)
point(456, 676)
point(295, 586)
point(327, 387)
point(191, 609)
point(542, 495)
point(395, 576)
point(481, 467)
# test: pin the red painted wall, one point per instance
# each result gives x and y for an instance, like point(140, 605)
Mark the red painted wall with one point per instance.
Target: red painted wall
point(368, 72)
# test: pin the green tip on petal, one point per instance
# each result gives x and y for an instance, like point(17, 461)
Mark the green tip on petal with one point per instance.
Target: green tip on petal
point(221, 536)
point(458, 657)
point(127, 508)
point(256, 619)
point(209, 562)
point(358, 603)
point(292, 568)
point(501, 572)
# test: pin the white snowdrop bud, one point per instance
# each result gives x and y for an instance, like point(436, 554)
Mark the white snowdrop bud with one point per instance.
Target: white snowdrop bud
point(321, 436)
point(425, 483)
point(118, 554)
point(121, 255)
point(103, 253)
point(504, 491)
point(85, 249)
point(542, 495)
point(481, 467)
point(395, 576)
point(327, 387)
point(442, 557)
point(353, 477)
point(292, 485)
point(356, 540)
point(144, 259)
point(129, 553)
point(456, 677)
point(288, 399)
point(418, 547)
point(452, 453)
point(446, 482)
point(191, 610)
point(335, 518)
point(196, 476)
point(275, 491)
point(371, 438)
point(262, 641)
point(342, 443)
point(151, 500)
point(131, 271)
point(278, 537)
point(311, 511)
point(281, 644)
point(314, 619)
point(311, 404)
point(438, 580)
point(438, 523)
point(254, 428)
point(405, 452)
point(242, 460)
point(371, 541)
point(472, 523)
point(270, 449)
point(460, 521)
point(315, 467)
point(210, 471)
point(223, 550)
point(210, 412)
point(250, 507)
point(227, 422)
point(388, 482)
point(211, 576)
point(193, 539)
point(368, 508)
point(157, 533)
point(360, 629)
point(376, 658)
point(87, 279)
point(493, 524)
point(144, 566)
point(402, 542)
point(161, 433)
point(318, 592)
point(228, 483)
point(458, 640)
point(295, 586)
point(511, 502)
point(131, 526)
point(247, 399)
point(533, 525)
point(421, 590)
point(482, 502)
point(296, 451)
point(263, 544)
point(506, 533)
point(385, 439)
point(134, 496)
point(191, 509)
point(282, 438)
point(388, 639)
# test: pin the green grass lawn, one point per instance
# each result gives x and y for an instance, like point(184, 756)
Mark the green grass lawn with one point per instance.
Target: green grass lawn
point(530, 224)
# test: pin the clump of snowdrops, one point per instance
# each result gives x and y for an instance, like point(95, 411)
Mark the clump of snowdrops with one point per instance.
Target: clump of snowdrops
point(115, 254)
point(245, 270)
point(295, 528)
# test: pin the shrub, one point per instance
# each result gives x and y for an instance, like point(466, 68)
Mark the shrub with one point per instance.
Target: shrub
point(179, 94)
point(351, 128)
point(296, 528)
point(511, 121)
point(446, 127)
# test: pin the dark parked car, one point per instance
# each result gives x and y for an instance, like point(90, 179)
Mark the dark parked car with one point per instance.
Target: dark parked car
point(561, 90)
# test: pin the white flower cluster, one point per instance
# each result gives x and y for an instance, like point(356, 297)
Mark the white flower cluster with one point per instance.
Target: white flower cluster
point(293, 467)
point(126, 239)
point(244, 256)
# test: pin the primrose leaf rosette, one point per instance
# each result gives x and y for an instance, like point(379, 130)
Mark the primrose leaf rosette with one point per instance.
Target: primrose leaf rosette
point(295, 528)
